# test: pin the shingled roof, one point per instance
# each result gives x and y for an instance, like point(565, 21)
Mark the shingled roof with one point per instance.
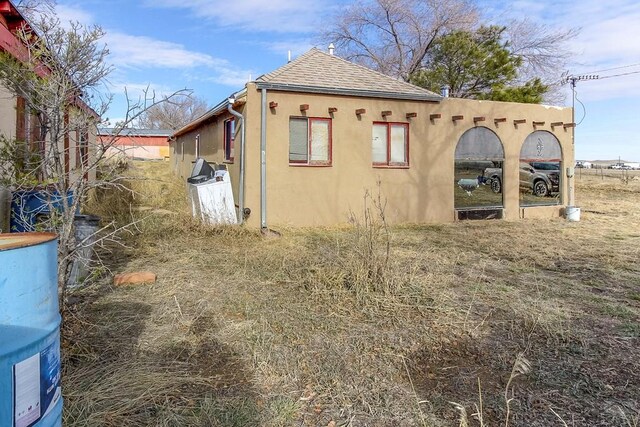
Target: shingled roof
point(318, 72)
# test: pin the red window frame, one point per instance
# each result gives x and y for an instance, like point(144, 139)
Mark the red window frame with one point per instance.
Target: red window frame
point(389, 163)
point(228, 148)
point(315, 163)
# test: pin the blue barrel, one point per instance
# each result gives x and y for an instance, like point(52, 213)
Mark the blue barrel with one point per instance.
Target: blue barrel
point(30, 392)
point(29, 207)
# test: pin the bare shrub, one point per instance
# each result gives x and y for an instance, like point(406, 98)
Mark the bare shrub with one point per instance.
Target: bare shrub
point(367, 267)
point(357, 260)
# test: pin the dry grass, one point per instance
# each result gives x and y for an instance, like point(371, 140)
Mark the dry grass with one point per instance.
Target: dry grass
point(322, 325)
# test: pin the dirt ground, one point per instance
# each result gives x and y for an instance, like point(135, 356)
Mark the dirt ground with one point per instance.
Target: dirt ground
point(526, 323)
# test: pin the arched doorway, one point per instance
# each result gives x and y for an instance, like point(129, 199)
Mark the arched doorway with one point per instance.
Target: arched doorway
point(540, 166)
point(478, 178)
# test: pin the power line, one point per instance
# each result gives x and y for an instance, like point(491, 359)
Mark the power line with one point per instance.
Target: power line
point(584, 109)
point(614, 68)
point(618, 75)
point(574, 79)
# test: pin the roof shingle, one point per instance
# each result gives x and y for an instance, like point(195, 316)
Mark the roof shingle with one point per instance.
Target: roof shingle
point(317, 71)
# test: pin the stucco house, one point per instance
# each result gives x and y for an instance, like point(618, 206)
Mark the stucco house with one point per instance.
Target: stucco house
point(144, 144)
point(304, 143)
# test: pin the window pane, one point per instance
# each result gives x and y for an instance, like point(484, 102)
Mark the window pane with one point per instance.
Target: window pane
point(298, 140)
point(319, 141)
point(478, 180)
point(541, 146)
point(398, 144)
point(478, 184)
point(479, 143)
point(379, 144)
point(540, 158)
point(232, 132)
point(229, 136)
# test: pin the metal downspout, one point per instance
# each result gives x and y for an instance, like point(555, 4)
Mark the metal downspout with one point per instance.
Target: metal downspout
point(263, 160)
point(240, 117)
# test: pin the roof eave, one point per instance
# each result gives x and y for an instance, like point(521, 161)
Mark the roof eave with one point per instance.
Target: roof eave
point(348, 92)
point(215, 111)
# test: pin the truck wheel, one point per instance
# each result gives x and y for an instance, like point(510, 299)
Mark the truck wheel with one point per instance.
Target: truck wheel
point(540, 188)
point(496, 185)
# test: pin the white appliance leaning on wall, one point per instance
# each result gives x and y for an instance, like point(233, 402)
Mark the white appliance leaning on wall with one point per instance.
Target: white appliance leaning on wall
point(212, 200)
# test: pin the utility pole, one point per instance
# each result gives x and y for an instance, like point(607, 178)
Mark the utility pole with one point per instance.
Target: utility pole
point(573, 80)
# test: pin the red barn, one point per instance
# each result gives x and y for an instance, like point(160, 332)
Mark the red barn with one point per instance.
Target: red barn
point(146, 144)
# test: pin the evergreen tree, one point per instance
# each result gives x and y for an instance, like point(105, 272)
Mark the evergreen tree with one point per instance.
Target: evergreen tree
point(477, 64)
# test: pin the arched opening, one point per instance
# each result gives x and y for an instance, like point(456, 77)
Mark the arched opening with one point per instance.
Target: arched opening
point(478, 179)
point(540, 166)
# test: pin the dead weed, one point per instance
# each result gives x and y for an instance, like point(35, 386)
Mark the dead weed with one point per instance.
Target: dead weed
point(363, 325)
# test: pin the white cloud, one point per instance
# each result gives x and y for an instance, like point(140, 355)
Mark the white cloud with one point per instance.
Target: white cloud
point(140, 91)
point(141, 52)
point(232, 78)
point(146, 52)
point(612, 40)
point(608, 39)
point(73, 13)
point(613, 88)
point(258, 15)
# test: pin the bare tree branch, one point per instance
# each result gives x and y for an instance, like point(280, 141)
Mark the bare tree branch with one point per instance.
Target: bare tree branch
point(395, 36)
point(544, 51)
point(33, 9)
point(57, 76)
point(173, 114)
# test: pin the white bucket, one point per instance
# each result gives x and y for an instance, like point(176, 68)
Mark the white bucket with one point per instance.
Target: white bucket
point(572, 213)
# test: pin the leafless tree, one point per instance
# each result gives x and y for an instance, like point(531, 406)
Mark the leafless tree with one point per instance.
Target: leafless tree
point(57, 75)
point(395, 36)
point(174, 113)
point(32, 9)
point(544, 51)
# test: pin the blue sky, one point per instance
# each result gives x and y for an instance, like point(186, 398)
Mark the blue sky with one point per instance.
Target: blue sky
point(213, 47)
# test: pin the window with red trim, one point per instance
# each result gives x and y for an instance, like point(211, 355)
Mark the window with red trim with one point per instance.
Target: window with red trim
point(390, 144)
point(310, 141)
point(82, 147)
point(229, 139)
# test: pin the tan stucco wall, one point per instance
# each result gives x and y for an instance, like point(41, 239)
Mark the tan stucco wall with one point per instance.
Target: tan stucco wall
point(211, 149)
point(7, 113)
point(422, 193)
